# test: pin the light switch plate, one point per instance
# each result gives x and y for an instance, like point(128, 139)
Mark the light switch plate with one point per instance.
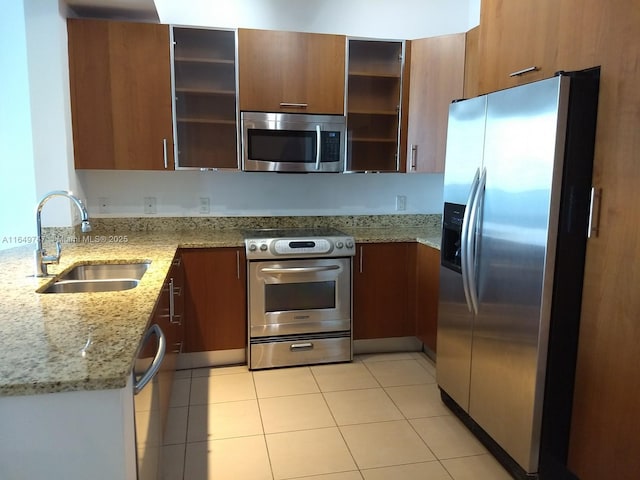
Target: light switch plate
point(401, 202)
point(205, 205)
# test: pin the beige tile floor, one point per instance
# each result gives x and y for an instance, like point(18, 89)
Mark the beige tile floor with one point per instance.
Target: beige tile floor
point(377, 418)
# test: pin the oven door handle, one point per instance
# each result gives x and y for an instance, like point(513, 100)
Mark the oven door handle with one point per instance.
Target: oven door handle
point(299, 269)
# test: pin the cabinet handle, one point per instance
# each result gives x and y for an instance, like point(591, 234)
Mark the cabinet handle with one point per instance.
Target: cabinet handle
point(293, 105)
point(238, 264)
point(361, 257)
point(594, 212)
point(177, 320)
point(523, 71)
point(414, 157)
point(172, 303)
point(164, 153)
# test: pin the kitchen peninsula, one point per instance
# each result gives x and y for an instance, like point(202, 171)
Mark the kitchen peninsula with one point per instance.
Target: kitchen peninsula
point(66, 361)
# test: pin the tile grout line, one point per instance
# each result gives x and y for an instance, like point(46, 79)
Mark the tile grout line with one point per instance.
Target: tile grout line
point(264, 433)
point(337, 425)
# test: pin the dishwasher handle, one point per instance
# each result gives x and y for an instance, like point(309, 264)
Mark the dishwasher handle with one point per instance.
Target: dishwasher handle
point(157, 360)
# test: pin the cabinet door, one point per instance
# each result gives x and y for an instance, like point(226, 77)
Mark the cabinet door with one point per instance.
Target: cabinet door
point(437, 78)
point(374, 99)
point(120, 79)
point(205, 98)
point(517, 36)
point(382, 282)
point(216, 299)
point(427, 283)
point(291, 72)
point(605, 424)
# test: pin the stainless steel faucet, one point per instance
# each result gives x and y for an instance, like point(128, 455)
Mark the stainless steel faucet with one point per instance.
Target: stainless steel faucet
point(42, 259)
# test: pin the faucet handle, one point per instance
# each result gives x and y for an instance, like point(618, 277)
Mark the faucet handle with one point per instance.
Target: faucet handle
point(53, 258)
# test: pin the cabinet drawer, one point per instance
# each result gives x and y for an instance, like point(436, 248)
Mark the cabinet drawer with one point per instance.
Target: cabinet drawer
point(293, 352)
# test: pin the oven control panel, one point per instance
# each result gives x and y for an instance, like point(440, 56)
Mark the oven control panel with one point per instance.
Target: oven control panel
point(289, 246)
point(294, 247)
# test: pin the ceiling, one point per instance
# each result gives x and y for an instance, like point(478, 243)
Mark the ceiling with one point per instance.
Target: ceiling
point(140, 10)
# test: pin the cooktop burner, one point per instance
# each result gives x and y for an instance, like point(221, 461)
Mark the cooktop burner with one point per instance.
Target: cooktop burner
point(298, 243)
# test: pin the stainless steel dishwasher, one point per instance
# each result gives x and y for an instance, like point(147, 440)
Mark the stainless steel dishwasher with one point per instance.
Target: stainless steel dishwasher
point(152, 385)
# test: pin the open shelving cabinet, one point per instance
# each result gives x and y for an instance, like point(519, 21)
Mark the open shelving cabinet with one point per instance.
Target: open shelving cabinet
point(374, 93)
point(205, 100)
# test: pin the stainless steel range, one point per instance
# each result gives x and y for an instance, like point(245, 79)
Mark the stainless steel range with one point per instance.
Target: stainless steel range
point(299, 295)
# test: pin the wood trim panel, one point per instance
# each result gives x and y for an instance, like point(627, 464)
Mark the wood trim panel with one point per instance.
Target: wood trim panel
point(427, 290)
point(471, 63)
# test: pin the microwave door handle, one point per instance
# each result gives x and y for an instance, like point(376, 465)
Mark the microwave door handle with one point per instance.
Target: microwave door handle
point(318, 147)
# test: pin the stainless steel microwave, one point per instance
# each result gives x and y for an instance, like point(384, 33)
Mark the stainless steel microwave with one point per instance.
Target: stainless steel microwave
point(292, 142)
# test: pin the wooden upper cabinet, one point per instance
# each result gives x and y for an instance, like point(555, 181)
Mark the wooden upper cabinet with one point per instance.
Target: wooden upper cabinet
point(514, 37)
point(376, 117)
point(437, 78)
point(120, 79)
point(291, 72)
point(205, 98)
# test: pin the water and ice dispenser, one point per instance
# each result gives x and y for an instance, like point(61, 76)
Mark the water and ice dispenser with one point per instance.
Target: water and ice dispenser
point(451, 236)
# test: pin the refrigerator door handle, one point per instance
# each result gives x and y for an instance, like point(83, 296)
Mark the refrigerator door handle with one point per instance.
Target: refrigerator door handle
point(464, 239)
point(472, 230)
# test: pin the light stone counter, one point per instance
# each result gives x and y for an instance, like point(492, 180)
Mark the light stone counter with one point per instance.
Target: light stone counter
point(88, 341)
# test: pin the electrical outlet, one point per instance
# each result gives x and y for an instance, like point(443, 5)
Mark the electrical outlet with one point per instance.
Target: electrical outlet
point(150, 205)
point(104, 205)
point(205, 205)
point(401, 202)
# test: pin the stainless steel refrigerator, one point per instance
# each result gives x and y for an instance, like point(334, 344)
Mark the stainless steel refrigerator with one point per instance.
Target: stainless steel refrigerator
point(517, 187)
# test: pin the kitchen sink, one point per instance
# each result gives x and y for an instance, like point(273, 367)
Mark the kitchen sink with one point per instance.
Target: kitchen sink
point(106, 271)
point(84, 286)
point(99, 277)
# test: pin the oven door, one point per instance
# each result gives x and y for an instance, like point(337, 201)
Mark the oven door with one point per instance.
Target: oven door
point(277, 142)
point(299, 296)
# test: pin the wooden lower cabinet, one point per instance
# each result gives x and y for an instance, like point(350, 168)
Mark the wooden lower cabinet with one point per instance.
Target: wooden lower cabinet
point(426, 288)
point(382, 290)
point(215, 299)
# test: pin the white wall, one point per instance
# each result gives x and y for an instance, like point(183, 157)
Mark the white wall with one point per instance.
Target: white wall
point(178, 193)
point(51, 108)
point(112, 193)
point(17, 182)
point(404, 19)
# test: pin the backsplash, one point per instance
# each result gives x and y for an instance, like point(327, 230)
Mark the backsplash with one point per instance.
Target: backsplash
point(162, 224)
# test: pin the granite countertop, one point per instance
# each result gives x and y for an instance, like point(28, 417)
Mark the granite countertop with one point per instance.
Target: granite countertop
point(88, 341)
